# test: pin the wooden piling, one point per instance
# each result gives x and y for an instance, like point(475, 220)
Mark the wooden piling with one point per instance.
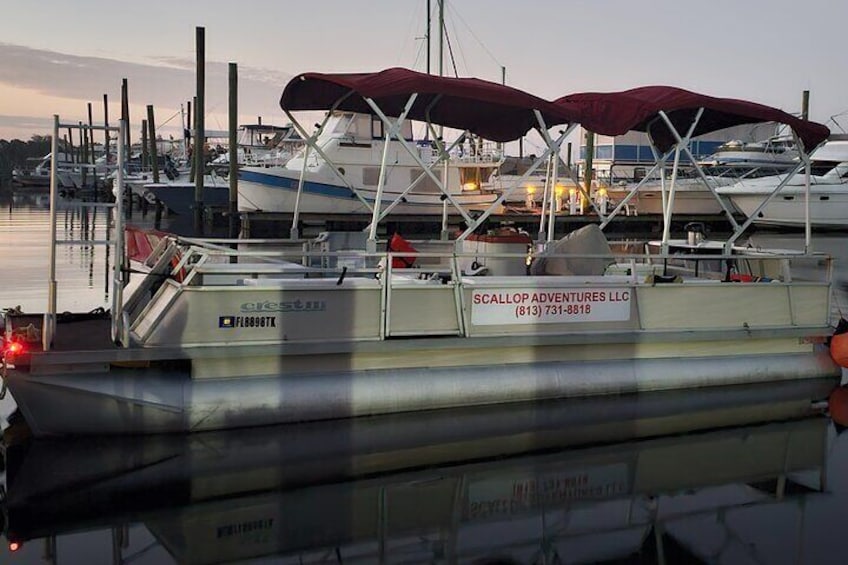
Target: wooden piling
point(82, 148)
point(84, 151)
point(233, 149)
point(125, 115)
point(805, 105)
point(70, 150)
point(200, 133)
point(91, 136)
point(189, 126)
point(106, 123)
point(151, 126)
point(145, 157)
point(590, 154)
point(92, 154)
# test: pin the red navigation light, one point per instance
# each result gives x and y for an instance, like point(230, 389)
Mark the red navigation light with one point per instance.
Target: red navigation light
point(14, 546)
point(13, 348)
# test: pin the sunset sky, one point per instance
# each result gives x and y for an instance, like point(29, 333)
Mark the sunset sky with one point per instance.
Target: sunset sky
point(62, 55)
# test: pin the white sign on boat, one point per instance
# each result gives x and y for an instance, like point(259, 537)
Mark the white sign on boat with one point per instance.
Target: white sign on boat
point(516, 306)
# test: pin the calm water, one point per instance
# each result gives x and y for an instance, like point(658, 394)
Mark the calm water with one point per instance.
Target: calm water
point(736, 475)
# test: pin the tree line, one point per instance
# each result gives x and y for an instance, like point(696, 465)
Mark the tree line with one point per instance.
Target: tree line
point(15, 153)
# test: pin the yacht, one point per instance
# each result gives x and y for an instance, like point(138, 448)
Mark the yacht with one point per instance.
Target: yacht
point(343, 177)
point(777, 153)
point(828, 191)
point(261, 145)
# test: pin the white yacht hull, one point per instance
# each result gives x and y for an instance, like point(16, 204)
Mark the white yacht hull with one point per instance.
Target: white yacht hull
point(275, 190)
point(828, 192)
point(828, 207)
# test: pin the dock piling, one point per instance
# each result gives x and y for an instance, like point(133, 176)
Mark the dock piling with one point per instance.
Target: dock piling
point(125, 116)
point(151, 126)
point(200, 133)
point(233, 150)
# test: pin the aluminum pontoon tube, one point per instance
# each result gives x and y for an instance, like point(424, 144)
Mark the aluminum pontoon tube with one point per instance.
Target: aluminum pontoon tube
point(122, 403)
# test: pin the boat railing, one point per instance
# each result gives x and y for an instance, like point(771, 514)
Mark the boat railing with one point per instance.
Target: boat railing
point(220, 264)
point(439, 293)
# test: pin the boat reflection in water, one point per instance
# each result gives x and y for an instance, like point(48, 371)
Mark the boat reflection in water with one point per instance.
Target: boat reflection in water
point(720, 474)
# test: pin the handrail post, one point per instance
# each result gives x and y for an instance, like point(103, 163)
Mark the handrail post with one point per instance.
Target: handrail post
point(48, 327)
point(117, 330)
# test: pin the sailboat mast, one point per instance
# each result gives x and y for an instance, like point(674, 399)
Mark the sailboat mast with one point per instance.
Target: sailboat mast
point(427, 35)
point(441, 37)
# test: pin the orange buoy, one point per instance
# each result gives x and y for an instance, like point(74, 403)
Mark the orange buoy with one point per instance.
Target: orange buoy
point(837, 403)
point(839, 349)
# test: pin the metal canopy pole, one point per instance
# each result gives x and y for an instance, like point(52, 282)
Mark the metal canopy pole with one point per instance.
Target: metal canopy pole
point(571, 174)
point(658, 164)
point(393, 130)
point(445, 172)
point(668, 203)
point(555, 169)
point(682, 144)
point(118, 214)
point(685, 148)
point(542, 212)
point(381, 183)
point(741, 229)
point(663, 170)
point(48, 327)
point(808, 231)
point(444, 153)
point(548, 152)
point(552, 196)
point(442, 185)
point(806, 165)
point(294, 232)
point(551, 151)
point(311, 142)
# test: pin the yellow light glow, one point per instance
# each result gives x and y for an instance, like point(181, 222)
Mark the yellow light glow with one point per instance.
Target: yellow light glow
point(469, 186)
point(572, 191)
point(602, 192)
point(531, 189)
point(559, 189)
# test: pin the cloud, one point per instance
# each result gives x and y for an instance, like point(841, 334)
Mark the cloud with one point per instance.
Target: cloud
point(26, 121)
point(167, 83)
point(24, 127)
